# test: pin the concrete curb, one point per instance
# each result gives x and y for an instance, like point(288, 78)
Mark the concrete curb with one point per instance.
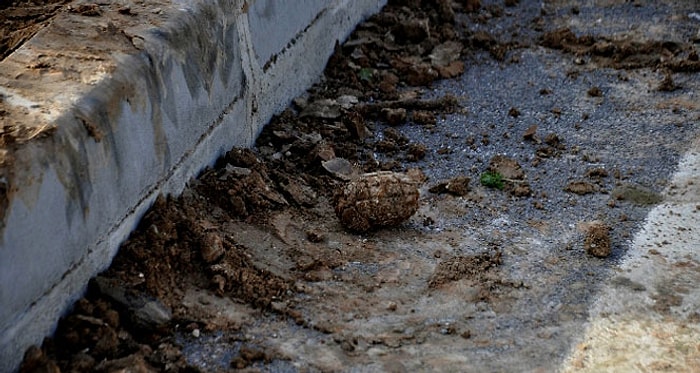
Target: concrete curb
point(112, 122)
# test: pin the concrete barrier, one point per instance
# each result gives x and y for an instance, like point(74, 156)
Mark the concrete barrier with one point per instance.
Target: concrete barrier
point(101, 114)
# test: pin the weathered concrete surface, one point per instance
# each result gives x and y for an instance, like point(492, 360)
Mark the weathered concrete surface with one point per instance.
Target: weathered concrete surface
point(648, 318)
point(102, 114)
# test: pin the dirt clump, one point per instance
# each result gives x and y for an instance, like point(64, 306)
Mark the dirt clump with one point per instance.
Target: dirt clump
point(530, 134)
point(458, 186)
point(597, 173)
point(580, 187)
point(236, 276)
point(667, 84)
point(460, 267)
point(623, 53)
point(247, 356)
point(597, 240)
point(595, 92)
point(481, 270)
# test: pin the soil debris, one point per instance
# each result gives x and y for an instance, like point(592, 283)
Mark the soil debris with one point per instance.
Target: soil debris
point(597, 241)
point(20, 20)
point(580, 187)
point(446, 104)
point(458, 186)
point(624, 53)
point(36, 361)
point(394, 117)
point(456, 268)
point(236, 276)
point(247, 356)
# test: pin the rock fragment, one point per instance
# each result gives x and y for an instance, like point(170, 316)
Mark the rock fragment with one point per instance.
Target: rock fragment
point(144, 311)
point(341, 168)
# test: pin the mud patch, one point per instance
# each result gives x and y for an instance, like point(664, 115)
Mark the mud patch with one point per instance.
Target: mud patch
point(474, 268)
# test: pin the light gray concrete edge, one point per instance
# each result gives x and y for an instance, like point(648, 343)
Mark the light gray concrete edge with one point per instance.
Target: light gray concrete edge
point(205, 81)
point(646, 319)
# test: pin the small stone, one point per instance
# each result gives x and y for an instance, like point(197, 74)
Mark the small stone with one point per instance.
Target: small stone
point(144, 311)
point(341, 168)
point(325, 108)
point(196, 333)
point(347, 101)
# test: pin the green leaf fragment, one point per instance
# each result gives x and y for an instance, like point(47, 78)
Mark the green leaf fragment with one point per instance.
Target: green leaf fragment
point(366, 74)
point(492, 180)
